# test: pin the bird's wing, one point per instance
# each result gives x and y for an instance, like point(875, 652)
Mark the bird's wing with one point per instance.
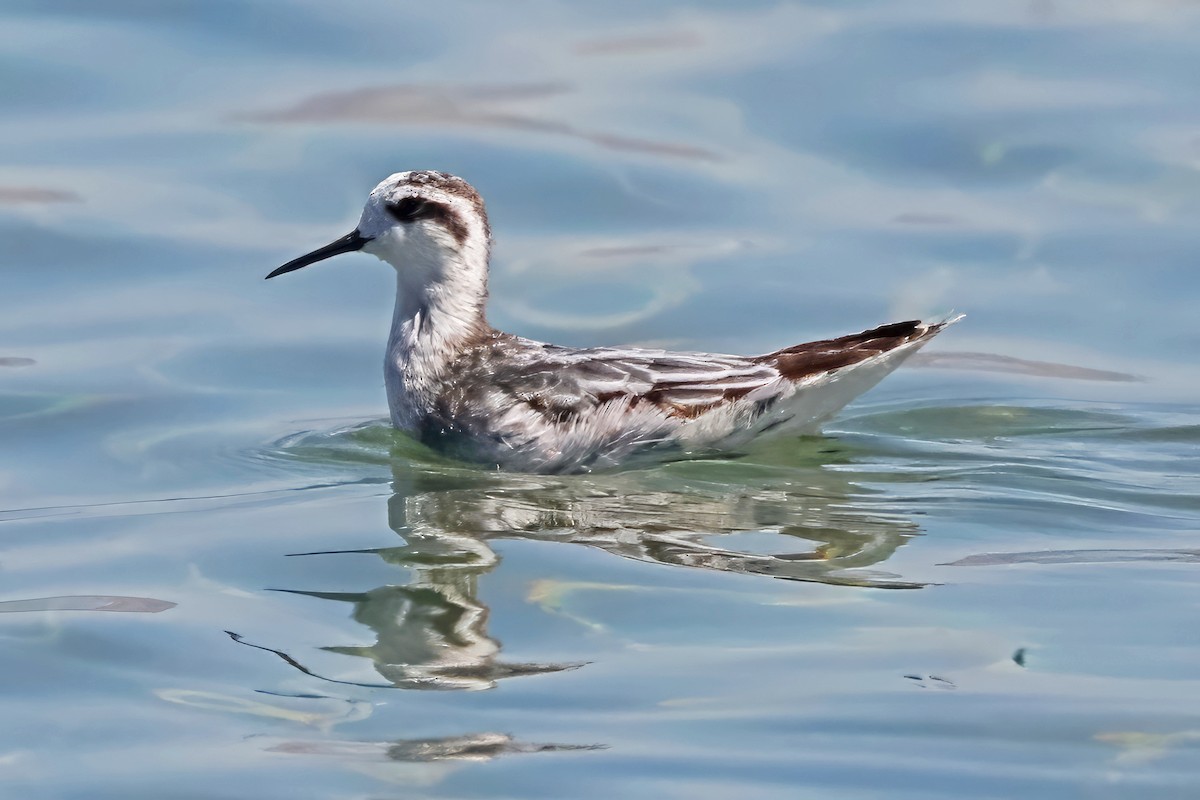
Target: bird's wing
point(564, 383)
point(545, 408)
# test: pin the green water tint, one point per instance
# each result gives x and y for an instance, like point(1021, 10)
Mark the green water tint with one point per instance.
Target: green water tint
point(676, 513)
point(431, 633)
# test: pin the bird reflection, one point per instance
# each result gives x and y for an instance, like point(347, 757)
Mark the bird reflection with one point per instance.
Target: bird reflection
point(686, 517)
point(772, 516)
point(432, 632)
point(472, 747)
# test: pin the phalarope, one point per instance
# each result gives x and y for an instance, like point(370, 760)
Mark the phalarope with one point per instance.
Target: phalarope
point(491, 397)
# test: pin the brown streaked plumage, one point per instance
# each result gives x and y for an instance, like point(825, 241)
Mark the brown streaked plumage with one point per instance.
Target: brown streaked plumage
point(502, 400)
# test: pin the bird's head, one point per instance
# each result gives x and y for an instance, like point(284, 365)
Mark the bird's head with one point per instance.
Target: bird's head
point(428, 225)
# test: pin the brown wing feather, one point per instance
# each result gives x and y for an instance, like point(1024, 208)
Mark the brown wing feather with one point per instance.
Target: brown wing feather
point(803, 360)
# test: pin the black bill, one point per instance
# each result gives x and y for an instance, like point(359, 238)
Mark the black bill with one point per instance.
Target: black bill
point(347, 244)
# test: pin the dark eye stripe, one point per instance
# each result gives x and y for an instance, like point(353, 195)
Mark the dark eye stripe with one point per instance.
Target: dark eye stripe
point(409, 209)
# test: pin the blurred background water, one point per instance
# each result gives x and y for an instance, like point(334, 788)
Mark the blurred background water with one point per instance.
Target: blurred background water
point(223, 576)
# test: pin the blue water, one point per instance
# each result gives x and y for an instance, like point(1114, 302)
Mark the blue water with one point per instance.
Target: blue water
point(225, 577)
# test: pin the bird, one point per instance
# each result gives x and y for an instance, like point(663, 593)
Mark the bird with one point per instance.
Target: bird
point(478, 394)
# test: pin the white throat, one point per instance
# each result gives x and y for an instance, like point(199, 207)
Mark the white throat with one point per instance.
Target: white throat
point(441, 292)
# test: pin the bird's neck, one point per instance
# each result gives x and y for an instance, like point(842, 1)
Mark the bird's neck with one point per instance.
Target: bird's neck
point(440, 313)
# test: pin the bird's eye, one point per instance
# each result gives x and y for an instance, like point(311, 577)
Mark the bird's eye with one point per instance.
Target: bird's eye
point(407, 209)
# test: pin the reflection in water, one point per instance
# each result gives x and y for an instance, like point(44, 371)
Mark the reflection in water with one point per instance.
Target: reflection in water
point(318, 711)
point(649, 43)
point(815, 532)
point(1143, 747)
point(88, 602)
point(472, 747)
point(324, 713)
point(432, 632)
point(994, 362)
point(1109, 556)
point(35, 195)
point(470, 106)
point(807, 523)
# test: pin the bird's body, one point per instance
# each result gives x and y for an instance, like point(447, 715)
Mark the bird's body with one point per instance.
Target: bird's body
point(502, 400)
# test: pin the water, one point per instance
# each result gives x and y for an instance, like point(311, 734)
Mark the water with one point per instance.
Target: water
point(223, 576)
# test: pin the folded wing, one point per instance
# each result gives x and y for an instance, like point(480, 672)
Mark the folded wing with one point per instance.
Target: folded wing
point(603, 404)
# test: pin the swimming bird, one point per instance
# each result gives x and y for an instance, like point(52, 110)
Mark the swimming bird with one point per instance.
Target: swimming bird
point(482, 395)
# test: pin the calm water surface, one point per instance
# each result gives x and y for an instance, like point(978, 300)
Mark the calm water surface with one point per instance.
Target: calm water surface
point(224, 577)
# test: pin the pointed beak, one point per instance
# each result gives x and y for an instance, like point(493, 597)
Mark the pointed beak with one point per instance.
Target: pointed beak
point(347, 244)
